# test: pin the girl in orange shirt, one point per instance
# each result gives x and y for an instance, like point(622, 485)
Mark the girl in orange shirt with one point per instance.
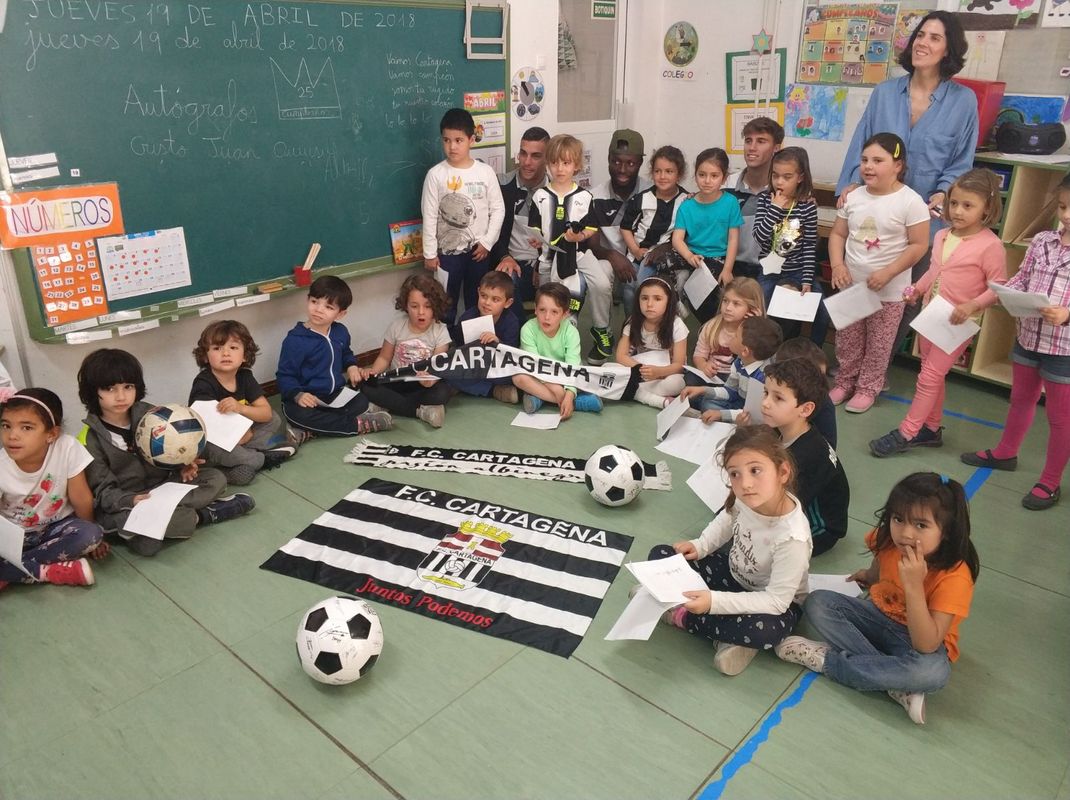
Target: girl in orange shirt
point(903, 638)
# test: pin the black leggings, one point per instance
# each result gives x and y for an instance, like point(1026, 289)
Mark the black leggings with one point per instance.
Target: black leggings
point(760, 631)
point(404, 397)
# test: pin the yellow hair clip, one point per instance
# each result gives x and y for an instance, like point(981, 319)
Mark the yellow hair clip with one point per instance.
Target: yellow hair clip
point(896, 153)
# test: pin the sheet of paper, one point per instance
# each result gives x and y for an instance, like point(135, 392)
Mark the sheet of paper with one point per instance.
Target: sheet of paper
point(472, 329)
point(150, 517)
point(667, 578)
point(537, 422)
point(708, 380)
point(849, 305)
point(834, 583)
point(789, 304)
point(693, 440)
point(224, 430)
point(442, 277)
point(344, 396)
point(12, 538)
point(699, 285)
point(639, 617)
point(934, 323)
point(653, 358)
point(753, 403)
point(667, 416)
point(1018, 303)
point(710, 483)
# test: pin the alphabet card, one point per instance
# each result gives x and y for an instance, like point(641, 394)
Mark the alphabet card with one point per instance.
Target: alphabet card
point(68, 276)
point(143, 263)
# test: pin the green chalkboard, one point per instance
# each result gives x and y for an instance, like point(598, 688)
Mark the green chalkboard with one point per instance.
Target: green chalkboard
point(258, 128)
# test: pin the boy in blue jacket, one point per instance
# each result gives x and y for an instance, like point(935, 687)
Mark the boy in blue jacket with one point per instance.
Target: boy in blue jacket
point(314, 366)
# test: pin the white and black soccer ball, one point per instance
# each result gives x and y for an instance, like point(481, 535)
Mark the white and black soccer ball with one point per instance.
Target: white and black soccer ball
point(614, 475)
point(339, 640)
point(171, 436)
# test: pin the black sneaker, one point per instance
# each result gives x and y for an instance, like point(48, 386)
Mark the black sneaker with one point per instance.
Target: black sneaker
point(927, 437)
point(602, 349)
point(276, 455)
point(226, 508)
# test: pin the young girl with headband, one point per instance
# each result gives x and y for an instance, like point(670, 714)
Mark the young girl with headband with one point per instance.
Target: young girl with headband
point(654, 339)
point(43, 490)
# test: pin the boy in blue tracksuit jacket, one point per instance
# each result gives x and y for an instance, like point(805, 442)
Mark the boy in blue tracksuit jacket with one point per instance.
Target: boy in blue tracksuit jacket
point(315, 365)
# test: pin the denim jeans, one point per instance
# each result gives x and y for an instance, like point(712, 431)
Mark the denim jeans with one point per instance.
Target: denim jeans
point(869, 650)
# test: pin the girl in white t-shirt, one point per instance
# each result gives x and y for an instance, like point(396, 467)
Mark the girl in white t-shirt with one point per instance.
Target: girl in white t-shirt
point(43, 491)
point(757, 587)
point(409, 340)
point(654, 338)
point(881, 231)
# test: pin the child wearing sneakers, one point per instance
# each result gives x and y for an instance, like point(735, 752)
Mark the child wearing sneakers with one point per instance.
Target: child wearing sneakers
point(409, 340)
point(550, 334)
point(43, 490)
point(793, 389)
point(495, 296)
point(225, 353)
point(755, 342)
point(315, 363)
point(112, 389)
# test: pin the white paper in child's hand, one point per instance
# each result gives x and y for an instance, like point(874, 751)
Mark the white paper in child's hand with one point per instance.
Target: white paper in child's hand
point(223, 430)
point(151, 516)
point(667, 578)
point(934, 323)
point(699, 285)
point(12, 539)
point(346, 394)
point(668, 416)
point(639, 617)
point(789, 304)
point(753, 403)
point(442, 277)
point(849, 305)
point(474, 328)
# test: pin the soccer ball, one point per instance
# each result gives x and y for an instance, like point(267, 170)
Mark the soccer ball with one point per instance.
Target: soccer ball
point(339, 640)
point(171, 436)
point(614, 475)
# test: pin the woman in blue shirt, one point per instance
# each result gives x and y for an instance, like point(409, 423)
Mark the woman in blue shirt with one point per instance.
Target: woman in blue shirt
point(933, 115)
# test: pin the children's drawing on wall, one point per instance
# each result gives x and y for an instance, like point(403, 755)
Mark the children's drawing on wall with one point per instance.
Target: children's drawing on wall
point(1035, 109)
point(527, 93)
point(984, 54)
point(816, 112)
point(998, 14)
point(905, 23)
point(681, 44)
point(1056, 14)
point(847, 44)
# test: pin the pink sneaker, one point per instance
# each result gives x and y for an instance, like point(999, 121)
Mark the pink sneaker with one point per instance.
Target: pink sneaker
point(69, 573)
point(860, 403)
point(838, 395)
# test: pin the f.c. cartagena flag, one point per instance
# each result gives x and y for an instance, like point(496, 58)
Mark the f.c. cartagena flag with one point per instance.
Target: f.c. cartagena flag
point(509, 573)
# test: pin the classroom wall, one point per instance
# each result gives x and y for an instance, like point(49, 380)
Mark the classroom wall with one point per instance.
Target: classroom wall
point(165, 353)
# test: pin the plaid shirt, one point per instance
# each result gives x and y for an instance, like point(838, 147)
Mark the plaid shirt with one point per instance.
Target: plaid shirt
point(1046, 269)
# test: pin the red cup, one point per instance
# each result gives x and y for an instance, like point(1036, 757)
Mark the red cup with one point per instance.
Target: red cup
point(302, 276)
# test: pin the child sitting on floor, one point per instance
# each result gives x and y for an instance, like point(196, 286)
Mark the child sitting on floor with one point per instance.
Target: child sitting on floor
point(655, 328)
point(495, 296)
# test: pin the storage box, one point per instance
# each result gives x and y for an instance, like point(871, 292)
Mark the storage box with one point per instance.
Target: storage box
point(989, 97)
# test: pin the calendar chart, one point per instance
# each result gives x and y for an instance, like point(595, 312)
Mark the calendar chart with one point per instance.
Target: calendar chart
point(847, 44)
point(142, 263)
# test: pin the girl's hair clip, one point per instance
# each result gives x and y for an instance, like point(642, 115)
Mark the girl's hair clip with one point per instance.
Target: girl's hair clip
point(896, 153)
point(944, 479)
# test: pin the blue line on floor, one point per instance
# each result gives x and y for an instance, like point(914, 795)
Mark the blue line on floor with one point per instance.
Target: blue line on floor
point(743, 755)
point(966, 417)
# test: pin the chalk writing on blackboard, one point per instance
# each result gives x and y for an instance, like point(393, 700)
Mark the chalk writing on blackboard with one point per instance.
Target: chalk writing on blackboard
point(305, 96)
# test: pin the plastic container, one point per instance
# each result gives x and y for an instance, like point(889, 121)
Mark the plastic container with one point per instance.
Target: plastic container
point(989, 98)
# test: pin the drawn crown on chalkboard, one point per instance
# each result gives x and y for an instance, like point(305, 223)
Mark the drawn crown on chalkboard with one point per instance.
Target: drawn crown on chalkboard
point(305, 96)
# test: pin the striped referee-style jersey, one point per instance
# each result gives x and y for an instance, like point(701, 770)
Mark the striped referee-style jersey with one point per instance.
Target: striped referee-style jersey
point(650, 218)
point(552, 214)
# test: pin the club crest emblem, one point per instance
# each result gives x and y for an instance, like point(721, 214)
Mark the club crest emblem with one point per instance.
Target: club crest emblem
point(462, 559)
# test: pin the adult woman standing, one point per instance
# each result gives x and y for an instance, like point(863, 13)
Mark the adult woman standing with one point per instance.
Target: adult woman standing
point(934, 116)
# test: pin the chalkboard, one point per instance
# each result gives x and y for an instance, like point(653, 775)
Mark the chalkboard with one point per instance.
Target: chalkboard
point(256, 127)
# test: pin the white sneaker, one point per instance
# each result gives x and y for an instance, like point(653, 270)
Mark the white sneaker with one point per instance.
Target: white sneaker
point(434, 416)
point(732, 659)
point(804, 652)
point(912, 702)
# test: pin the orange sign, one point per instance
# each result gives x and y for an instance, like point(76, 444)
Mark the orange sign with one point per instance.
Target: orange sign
point(55, 216)
point(69, 279)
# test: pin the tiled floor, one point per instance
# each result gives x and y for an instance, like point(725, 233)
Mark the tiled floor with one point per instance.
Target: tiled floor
point(176, 677)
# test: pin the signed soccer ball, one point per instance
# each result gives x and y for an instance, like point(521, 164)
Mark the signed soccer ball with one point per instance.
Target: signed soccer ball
point(614, 475)
point(339, 640)
point(171, 436)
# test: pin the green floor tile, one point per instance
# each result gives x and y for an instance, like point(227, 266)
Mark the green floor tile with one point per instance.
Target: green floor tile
point(542, 727)
point(755, 783)
point(358, 785)
point(71, 653)
point(425, 665)
point(213, 731)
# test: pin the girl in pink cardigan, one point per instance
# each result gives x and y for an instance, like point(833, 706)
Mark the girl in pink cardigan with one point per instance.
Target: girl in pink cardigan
point(965, 257)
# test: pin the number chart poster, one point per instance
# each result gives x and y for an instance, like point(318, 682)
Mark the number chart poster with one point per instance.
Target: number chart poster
point(69, 280)
point(847, 44)
point(143, 263)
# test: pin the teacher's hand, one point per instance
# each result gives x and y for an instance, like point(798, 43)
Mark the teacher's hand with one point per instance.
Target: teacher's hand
point(936, 204)
point(846, 191)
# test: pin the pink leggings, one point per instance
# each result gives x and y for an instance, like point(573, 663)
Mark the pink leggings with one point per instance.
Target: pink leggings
point(1025, 392)
point(928, 406)
point(865, 348)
